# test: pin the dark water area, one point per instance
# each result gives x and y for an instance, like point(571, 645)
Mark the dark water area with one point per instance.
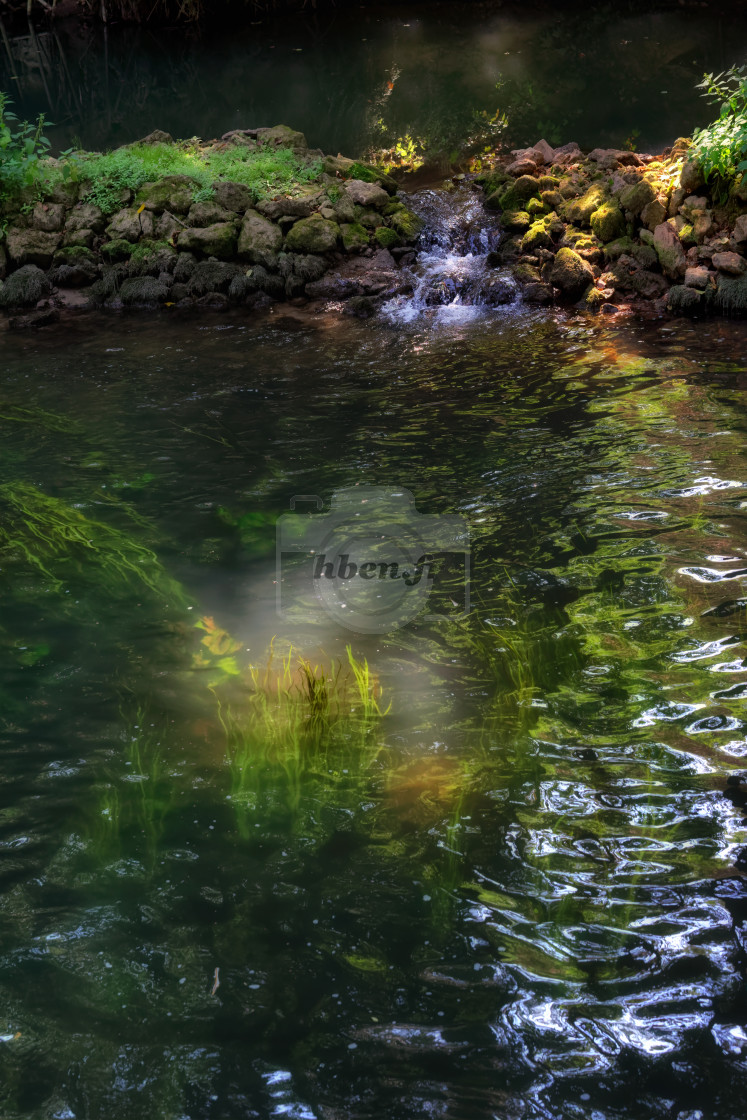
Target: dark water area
point(355, 79)
point(516, 893)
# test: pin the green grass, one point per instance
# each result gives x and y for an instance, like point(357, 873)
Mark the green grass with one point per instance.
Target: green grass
point(263, 171)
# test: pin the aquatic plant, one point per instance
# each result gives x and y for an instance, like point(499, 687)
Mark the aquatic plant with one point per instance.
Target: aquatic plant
point(59, 542)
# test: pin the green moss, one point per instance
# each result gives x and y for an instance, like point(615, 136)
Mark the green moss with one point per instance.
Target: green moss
point(580, 210)
point(145, 249)
point(72, 254)
point(547, 183)
point(607, 222)
point(368, 173)
point(536, 237)
point(615, 249)
point(687, 237)
point(516, 195)
point(536, 206)
point(516, 220)
point(117, 250)
point(407, 224)
point(387, 238)
point(354, 237)
point(526, 273)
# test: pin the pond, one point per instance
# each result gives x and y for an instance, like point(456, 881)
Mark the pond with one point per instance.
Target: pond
point(355, 78)
point(498, 877)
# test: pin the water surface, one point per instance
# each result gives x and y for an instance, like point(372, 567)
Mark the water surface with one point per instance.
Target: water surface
point(515, 894)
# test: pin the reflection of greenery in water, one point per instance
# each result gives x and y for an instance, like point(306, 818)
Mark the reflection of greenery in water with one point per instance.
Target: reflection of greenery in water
point(501, 863)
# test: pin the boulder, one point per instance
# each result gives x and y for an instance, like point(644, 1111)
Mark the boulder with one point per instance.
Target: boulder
point(542, 149)
point(129, 225)
point(636, 196)
point(516, 220)
point(407, 224)
point(517, 194)
point(85, 216)
point(653, 214)
point(702, 225)
point(203, 214)
point(536, 237)
point(25, 287)
point(32, 246)
point(116, 250)
point(386, 238)
point(566, 153)
point(293, 207)
point(313, 235)
point(218, 240)
point(523, 166)
point(697, 277)
point(281, 136)
point(355, 237)
point(579, 210)
point(233, 196)
point(670, 252)
point(173, 192)
point(607, 222)
point(79, 238)
point(213, 276)
point(740, 229)
point(571, 274)
point(730, 263)
point(260, 240)
point(691, 176)
point(78, 275)
point(48, 217)
point(143, 291)
point(157, 136)
point(366, 194)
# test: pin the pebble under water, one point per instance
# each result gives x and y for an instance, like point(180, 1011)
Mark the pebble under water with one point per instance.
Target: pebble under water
point(514, 889)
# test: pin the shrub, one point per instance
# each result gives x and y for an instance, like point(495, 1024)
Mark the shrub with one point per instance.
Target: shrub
point(721, 148)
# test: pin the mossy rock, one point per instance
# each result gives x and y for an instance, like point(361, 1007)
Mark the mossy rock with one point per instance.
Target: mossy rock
point(516, 220)
point(518, 193)
point(173, 192)
point(688, 301)
point(259, 240)
point(615, 249)
point(536, 237)
point(687, 236)
point(368, 173)
point(636, 196)
point(355, 237)
point(526, 273)
point(218, 240)
point(607, 222)
point(580, 210)
point(117, 250)
point(571, 273)
point(24, 287)
point(407, 224)
point(387, 238)
point(74, 253)
point(143, 291)
point(645, 255)
point(547, 183)
point(536, 207)
point(313, 235)
point(393, 207)
point(731, 295)
point(552, 199)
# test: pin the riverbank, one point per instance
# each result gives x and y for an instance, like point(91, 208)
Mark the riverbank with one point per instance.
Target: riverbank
point(192, 239)
point(614, 227)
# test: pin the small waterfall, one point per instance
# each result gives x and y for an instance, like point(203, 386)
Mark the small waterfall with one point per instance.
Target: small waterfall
point(451, 278)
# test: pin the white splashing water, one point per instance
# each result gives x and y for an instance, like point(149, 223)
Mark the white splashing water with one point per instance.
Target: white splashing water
point(452, 281)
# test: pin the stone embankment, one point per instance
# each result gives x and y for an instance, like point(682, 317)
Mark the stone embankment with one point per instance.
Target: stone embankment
point(345, 234)
point(611, 228)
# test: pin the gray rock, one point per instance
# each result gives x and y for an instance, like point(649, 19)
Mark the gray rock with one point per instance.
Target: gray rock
point(691, 177)
point(78, 275)
point(218, 240)
point(730, 263)
point(129, 225)
point(213, 276)
point(184, 267)
point(48, 216)
point(173, 192)
point(157, 136)
point(31, 246)
point(313, 235)
point(79, 239)
point(697, 277)
point(207, 213)
point(85, 216)
point(366, 194)
point(670, 252)
point(233, 196)
point(260, 239)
